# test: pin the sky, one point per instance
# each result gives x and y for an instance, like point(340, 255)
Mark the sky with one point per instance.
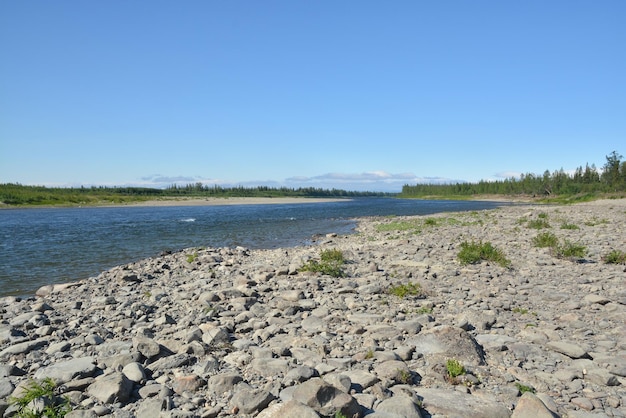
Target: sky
point(356, 95)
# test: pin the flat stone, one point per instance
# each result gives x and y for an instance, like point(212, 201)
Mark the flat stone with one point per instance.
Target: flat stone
point(401, 406)
point(456, 404)
point(64, 371)
point(569, 349)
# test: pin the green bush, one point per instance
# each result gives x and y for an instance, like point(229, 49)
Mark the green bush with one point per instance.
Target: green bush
point(454, 368)
point(55, 407)
point(404, 290)
point(615, 257)
point(523, 388)
point(545, 240)
point(330, 264)
point(566, 225)
point(475, 252)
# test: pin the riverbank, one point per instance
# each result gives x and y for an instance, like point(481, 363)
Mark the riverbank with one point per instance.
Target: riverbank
point(235, 332)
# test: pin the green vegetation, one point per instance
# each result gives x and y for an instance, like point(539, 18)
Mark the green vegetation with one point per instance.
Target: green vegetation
point(615, 257)
point(475, 252)
point(454, 368)
point(546, 240)
point(404, 290)
point(538, 224)
point(418, 225)
point(192, 257)
point(564, 249)
point(522, 311)
point(595, 221)
point(340, 414)
point(330, 263)
point(566, 225)
point(569, 249)
point(17, 194)
point(53, 406)
point(523, 388)
point(583, 185)
point(404, 377)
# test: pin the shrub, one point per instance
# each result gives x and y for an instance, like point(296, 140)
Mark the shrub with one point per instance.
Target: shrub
point(53, 406)
point(454, 368)
point(615, 257)
point(566, 225)
point(404, 290)
point(523, 388)
point(330, 264)
point(472, 253)
point(545, 239)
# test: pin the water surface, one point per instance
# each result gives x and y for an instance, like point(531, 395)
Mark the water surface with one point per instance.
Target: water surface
point(58, 245)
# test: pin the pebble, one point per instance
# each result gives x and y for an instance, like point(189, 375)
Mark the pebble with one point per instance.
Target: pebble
point(242, 332)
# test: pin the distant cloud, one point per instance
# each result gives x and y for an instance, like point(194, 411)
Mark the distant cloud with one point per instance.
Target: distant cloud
point(366, 181)
point(508, 174)
point(376, 181)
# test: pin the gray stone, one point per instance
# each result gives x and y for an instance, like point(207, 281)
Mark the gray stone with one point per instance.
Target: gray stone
point(221, 383)
point(290, 409)
point(134, 372)
point(456, 404)
point(567, 348)
point(23, 348)
point(252, 400)
point(400, 405)
point(361, 378)
point(325, 398)
point(111, 388)
point(445, 341)
point(147, 347)
point(64, 371)
point(531, 406)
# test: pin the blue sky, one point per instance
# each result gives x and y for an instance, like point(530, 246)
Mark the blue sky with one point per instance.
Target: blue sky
point(359, 95)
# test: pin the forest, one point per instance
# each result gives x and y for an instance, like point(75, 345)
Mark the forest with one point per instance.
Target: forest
point(583, 183)
point(21, 195)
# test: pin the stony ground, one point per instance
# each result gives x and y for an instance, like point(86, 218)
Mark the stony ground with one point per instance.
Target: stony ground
point(232, 332)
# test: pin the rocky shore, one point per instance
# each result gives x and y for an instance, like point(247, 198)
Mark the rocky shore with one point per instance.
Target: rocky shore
point(232, 332)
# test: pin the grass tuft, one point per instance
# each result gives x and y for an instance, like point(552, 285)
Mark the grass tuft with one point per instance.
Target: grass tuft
point(331, 264)
point(404, 290)
point(545, 240)
point(475, 252)
point(615, 257)
point(54, 407)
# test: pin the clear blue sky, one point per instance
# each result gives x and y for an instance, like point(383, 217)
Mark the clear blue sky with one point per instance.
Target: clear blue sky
point(360, 95)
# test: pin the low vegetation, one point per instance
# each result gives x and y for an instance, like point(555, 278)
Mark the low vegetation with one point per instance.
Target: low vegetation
point(615, 257)
point(476, 252)
point(331, 262)
point(560, 249)
point(405, 290)
point(546, 240)
point(524, 388)
point(40, 400)
point(454, 368)
point(538, 223)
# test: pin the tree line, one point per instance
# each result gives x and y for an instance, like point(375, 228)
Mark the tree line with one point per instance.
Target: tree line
point(17, 194)
point(587, 180)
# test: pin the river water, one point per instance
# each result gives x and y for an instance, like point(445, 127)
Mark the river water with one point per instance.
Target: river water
point(59, 245)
